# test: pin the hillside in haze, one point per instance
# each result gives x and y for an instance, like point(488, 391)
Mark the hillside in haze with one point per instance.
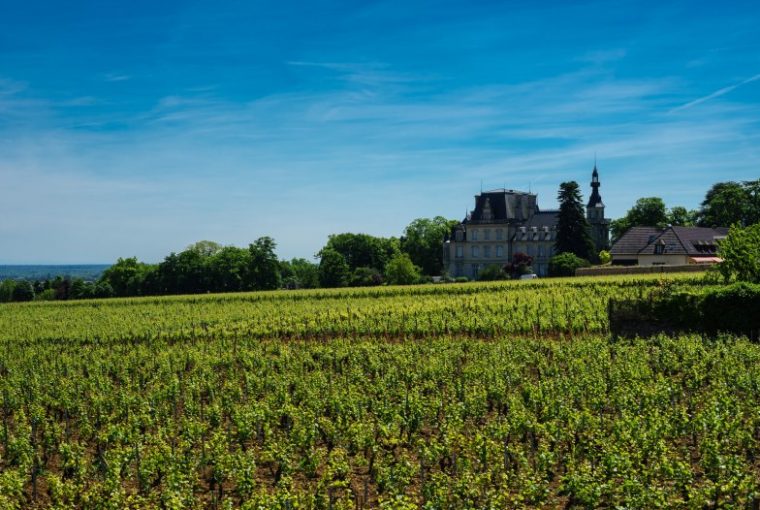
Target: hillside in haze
point(47, 272)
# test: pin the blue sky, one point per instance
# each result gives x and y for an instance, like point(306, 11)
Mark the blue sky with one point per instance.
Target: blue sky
point(137, 128)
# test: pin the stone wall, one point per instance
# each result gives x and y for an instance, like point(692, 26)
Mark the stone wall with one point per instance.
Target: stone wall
point(613, 270)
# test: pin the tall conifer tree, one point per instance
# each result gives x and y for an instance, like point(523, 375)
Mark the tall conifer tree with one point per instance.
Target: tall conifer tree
point(573, 230)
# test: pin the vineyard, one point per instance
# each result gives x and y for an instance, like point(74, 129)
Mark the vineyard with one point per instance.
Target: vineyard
point(494, 395)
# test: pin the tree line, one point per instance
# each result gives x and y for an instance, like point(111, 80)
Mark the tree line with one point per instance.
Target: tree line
point(725, 204)
point(347, 259)
point(351, 259)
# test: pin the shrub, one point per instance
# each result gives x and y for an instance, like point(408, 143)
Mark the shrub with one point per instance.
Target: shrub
point(740, 251)
point(735, 308)
point(732, 309)
point(401, 271)
point(565, 264)
point(45, 295)
point(520, 265)
point(491, 272)
point(366, 277)
point(23, 291)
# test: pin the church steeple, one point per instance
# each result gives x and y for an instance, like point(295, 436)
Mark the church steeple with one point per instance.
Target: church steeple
point(595, 199)
point(595, 214)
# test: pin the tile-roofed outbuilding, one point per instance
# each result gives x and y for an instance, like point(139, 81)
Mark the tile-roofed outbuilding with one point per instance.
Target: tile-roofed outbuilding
point(687, 241)
point(634, 240)
point(698, 241)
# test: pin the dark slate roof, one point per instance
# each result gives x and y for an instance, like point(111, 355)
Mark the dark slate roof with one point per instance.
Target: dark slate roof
point(691, 241)
point(548, 218)
point(498, 201)
point(634, 240)
point(667, 237)
point(697, 241)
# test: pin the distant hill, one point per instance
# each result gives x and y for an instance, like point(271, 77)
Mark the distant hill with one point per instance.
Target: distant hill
point(88, 272)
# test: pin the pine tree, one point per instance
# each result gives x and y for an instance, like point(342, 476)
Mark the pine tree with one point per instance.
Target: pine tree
point(573, 231)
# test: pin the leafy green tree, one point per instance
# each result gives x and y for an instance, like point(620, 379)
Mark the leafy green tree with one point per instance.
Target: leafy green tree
point(400, 270)
point(724, 205)
point(23, 291)
point(299, 273)
point(103, 290)
point(565, 264)
point(81, 289)
point(227, 267)
point(363, 250)
point(152, 282)
point(125, 277)
point(6, 291)
point(62, 287)
point(729, 203)
point(205, 248)
point(680, 216)
point(605, 257)
point(647, 212)
point(573, 230)
point(423, 241)
point(204, 266)
point(263, 267)
point(366, 277)
point(333, 269)
point(40, 286)
point(753, 202)
point(182, 273)
point(740, 251)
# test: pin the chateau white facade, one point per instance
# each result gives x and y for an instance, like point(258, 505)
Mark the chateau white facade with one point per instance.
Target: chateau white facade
point(505, 222)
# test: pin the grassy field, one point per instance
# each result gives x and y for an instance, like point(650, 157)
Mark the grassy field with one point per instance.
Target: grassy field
point(497, 395)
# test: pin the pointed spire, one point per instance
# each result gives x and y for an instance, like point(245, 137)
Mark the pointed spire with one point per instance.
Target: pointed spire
point(595, 199)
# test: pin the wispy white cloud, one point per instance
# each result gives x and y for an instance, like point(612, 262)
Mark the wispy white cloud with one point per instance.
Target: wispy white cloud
point(11, 87)
point(600, 57)
point(80, 101)
point(365, 73)
point(290, 164)
point(720, 92)
point(114, 77)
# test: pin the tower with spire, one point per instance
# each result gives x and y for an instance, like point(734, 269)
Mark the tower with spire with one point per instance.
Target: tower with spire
point(600, 226)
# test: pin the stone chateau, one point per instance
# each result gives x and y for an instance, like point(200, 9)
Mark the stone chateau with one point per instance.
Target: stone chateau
point(505, 222)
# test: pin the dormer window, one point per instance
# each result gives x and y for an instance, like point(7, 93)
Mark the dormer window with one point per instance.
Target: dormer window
point(659, 248)
point(487, 214)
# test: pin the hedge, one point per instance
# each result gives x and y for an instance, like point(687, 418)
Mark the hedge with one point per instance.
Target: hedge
point(731, 309)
